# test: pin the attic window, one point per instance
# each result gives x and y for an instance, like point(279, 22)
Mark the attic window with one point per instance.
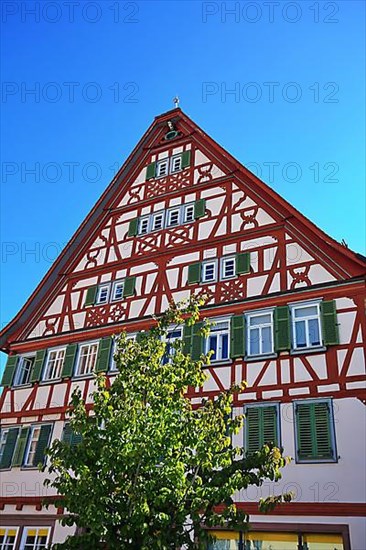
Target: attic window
point(162, 168)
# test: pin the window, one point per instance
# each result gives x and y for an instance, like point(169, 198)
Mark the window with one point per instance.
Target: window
point(157, 221)
point(172, 336)
point(259, 333)
point(315, 437)
point(3, 439)
point(35, 538)
point(35, 439)
point(306, 329)
point(228, 268)
point(218, 341)
point(32, 445)
point(162, 168)
point(87, 358)
point(143, 225)
point(189, 213)
point(8, 537)
point(173, 217)
point(209, 271)
point(24, 370)
point(261, 426)
point(54, 364)
point(117, 291)
point(176, 164)
point(103, 294)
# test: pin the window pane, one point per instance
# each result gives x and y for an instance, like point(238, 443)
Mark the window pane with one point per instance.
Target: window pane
point(144, 225)
point(173, 217)
point(189, 213)
point(314, 335)
point(229, 268)
point(212, 346)
point(118, 291)
point(158, 221)
point(224, 346)
point(307, 311)
point(176, 163)
point(300, 334)
point(266, 340)
point(254, 341)
point(260, 319)
point(162, 168)
point(209, 272)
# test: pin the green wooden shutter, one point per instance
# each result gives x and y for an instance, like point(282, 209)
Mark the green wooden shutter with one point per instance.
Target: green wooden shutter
point(237, 336)
point(129, 286)
point(323, 439)
point(199, 209)
point(194, 273)
point(104, 353)
point(187, 339)
point(140, 337)
point(314, 440)
point(243, 263)
point(252, 429)
point(186, 159)
point(329, 323)
point(42, 444)
point(9, 370)
point(38, 365)
point(91, 295)
point(261, 427)
point(269, 424)
point(150, 170)
point(282, 328)
point(8, 451)
point(133, 227)
point(67, 434)
point(68, 366)
point(197, 342)
point(18, 456)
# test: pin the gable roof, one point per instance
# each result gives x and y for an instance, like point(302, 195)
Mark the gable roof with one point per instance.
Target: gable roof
point(348, 263)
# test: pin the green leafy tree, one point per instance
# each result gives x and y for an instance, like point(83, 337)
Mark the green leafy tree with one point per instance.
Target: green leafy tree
point(152, 471)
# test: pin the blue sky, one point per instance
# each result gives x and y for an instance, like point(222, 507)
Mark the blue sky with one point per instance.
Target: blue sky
point(279, 84)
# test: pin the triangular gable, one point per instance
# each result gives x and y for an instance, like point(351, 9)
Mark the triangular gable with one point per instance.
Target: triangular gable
point(129, 195)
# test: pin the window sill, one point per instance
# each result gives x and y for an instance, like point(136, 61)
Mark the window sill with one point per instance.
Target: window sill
point(262, 357)
point(318, 461)
point(50, 381)
point(219, 363)
point(22, 386)
point(77, 377)
point(302, 351)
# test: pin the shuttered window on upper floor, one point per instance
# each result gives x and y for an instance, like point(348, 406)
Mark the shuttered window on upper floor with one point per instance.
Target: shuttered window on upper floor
point(110, 292)
point(261, 426)
point(315, 434)
point(212, 270)
point(169, 165)
point(24, 445)
point(167, 219)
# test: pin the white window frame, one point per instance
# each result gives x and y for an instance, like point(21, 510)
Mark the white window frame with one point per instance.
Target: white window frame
point(170, 340)
point(154, 216)
point(172, 160)
point(141, 222)
point(120, 282)
point(36, 546)
point(6, 545)
point(29, 444)
point(300, 305)
point(223, 263)
point(169, 212)
point(186, 207)
point(258, 313)
point(81, 346)
point(3, 437)
point(57, 360)
point(219, 332)
point(19, 368)
point(101, 287)
point(203, 275)
point(160, 163)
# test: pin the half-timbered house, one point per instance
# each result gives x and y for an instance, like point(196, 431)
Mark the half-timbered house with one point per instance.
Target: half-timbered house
point(183, 216)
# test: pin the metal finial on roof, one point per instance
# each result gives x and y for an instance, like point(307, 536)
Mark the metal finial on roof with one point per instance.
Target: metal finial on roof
point(176, 101)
